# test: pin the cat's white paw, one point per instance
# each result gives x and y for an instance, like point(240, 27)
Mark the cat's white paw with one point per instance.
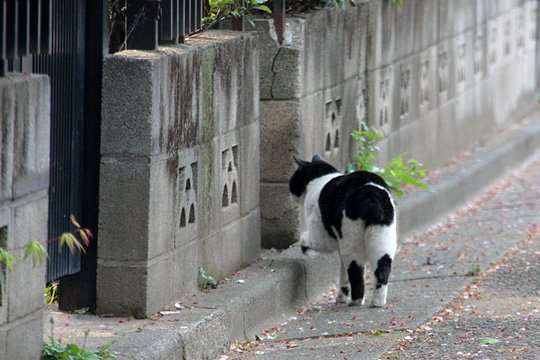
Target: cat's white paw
point(312, 254)
point(356, 302)
point(379, 296)
point(341, 297)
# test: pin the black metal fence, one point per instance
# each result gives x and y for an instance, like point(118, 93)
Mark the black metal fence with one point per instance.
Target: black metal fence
point(153, 22)
point(65, 66)
point(25, 28)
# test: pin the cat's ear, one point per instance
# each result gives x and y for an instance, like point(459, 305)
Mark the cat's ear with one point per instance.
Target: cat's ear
point(299, 161)
point(317, 157)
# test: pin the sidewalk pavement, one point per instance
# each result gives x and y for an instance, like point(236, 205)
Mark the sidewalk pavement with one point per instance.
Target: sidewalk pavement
point(430, 272)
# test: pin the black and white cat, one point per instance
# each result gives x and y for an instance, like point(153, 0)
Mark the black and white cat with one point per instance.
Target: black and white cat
point(353, 214)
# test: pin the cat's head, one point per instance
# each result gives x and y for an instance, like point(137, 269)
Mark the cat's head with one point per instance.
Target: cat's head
point(308, 171)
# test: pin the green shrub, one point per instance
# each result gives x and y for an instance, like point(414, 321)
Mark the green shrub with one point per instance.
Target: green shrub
point(55, 350)
point(398, 173)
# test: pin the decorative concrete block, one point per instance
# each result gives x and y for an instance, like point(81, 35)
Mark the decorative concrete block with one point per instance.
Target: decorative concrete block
point(427, 86)
point(382, 34)
point(26, 281)
point(127, 116)
point(210, 190)
point(229, 170)
point(334, 48)
point(24, 173)
point(286, 81)
point(361, 101)
point(531, 11)
point(186, 182)
point(333, 123)
point(24, 134)
point(426, 31)
point(185, 270)
point(231, 248)
point(520, 29)
point(313, 50)
point(161, 207)
point(181, 87)
point(160, 282)
point(354, 39)
point(24, 340)
point(280, 122)
point(251, 237)
point(186, 208)
point(466, 19)
point(445, 19)
point(123, 289)
point(480, 53)
point(210, 254)
point(381, 102)
point(124, 208)
point(445, 72)
point(493, 50)
point(312, 116)
point(405, 29)
point(268, 48)
point(250, 82)
point(407, 101)
point(279, 216)
point(250, 171)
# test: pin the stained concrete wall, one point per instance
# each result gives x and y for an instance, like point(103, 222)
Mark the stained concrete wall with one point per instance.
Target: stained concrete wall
point(180, 170)
point(24, 181)
point(434, 76)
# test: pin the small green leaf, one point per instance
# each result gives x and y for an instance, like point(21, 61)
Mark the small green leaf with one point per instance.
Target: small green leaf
point(264, 8)
point(7, 258)
point(37, 251)
point(489, 341)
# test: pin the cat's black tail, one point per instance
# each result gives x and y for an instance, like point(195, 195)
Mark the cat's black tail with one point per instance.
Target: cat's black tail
point(371, 204)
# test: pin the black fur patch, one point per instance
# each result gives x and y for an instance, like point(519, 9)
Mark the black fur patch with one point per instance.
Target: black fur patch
point(356, 279)
point(350, 193)
point(345, 290)
point(382, 273)
point(307, 172)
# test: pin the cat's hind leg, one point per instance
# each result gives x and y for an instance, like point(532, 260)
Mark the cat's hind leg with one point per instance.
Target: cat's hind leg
point(382, 273)
point(381, 248)
point(355, 271)
point(344, 291)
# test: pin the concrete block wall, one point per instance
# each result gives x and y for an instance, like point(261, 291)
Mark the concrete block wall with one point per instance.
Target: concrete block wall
point(180, 170)
point(434, 76)
point(24, 182)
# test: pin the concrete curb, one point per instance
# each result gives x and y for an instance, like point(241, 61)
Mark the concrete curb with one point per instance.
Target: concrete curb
point(266, 293)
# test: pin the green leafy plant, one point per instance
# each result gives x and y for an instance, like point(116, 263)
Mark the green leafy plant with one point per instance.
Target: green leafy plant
point(220, 10)
point(295, 6)
point(206, 281)
point(475, 269)
point(55, 350)
point(7, 258)
point(38, 252)
point(398, 172)
point(51, 293)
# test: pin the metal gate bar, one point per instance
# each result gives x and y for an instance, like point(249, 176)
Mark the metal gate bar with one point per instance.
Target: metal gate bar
point(65, 67)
